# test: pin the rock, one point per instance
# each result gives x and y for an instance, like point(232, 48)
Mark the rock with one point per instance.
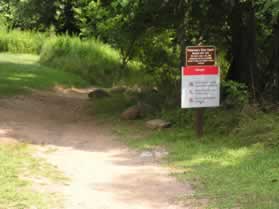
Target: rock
point(158, 124)
point(132, 113)
point(146, 154)
point(154, 154)
point(160, 154)
point(98, 94)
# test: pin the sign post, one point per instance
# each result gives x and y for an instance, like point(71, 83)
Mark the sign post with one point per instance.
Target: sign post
point(200, 82)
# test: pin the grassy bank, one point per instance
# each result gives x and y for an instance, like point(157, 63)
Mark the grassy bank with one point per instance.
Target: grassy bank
point(235, 165)
point(96, 62)
point(17, 166)
point(21, 73)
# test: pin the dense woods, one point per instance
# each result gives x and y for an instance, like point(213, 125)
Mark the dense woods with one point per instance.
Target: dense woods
point(155, 34)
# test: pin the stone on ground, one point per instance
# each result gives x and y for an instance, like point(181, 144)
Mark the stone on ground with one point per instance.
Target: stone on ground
point(158, 124)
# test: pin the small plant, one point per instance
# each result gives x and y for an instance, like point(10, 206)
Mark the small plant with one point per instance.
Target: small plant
point(234, 94)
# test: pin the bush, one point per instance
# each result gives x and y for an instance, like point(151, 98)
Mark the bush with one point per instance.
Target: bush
point(96, 62)
point(21, 42)
point(93, 60)
point(234, 95)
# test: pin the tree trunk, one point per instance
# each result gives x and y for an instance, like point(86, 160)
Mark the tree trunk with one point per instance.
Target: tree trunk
point(236, 32)
point(243, 29)
point(181, 38)
point(273, 67)
point(251, 61)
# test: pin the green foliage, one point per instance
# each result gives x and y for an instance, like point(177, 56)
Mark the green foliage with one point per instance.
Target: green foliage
point(234, 94)
point(2, 23)
point(155, 34)
point(91, 59)
point(21, 42)
point(67, 16)
point(21, 73)
point(273, 6)
point(41, 15)
point(96, 62)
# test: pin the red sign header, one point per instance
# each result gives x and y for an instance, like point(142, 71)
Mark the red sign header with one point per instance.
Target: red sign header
point(200, 70)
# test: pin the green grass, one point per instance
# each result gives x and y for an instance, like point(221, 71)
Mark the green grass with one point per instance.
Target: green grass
point(230, 171)
point(17, 166)
point(94, 61)
point(21, 73)
point(227, 174)
point(91, 59)
point(21, 41)
point(236, 163)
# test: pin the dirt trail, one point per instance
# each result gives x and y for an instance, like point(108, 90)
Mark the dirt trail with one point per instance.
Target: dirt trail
point(104, 173)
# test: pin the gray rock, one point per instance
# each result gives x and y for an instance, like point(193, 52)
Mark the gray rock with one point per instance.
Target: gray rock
point(158, 124)
point(160, 154)
point(98, 94)
point(146, 154)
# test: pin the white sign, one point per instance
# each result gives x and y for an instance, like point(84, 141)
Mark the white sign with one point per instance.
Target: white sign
point(200, 86)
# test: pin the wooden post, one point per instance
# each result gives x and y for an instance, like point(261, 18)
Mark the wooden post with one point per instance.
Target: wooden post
point(199, 73)
point(199, 122)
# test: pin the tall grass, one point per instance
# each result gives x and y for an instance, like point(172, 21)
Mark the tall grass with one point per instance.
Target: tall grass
point(93, 60)
point(96, 62)
point(21, 41)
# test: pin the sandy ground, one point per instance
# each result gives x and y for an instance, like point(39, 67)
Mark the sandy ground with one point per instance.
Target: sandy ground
point(104, 174)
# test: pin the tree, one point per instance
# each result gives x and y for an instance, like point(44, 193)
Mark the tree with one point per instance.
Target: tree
point(66, 18)
point(272, 69)
point(243, 29)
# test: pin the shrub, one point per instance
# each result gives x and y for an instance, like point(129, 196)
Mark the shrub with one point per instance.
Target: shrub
point(93, 60)
point(96, 62)
point(234, 94)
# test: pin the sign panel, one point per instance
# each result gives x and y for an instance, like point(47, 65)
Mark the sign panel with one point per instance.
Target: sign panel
point(200, 86)
point(200, 55)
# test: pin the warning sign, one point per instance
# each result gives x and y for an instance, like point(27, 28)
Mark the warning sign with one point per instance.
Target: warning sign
point(200, 86)
point(200, 55)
